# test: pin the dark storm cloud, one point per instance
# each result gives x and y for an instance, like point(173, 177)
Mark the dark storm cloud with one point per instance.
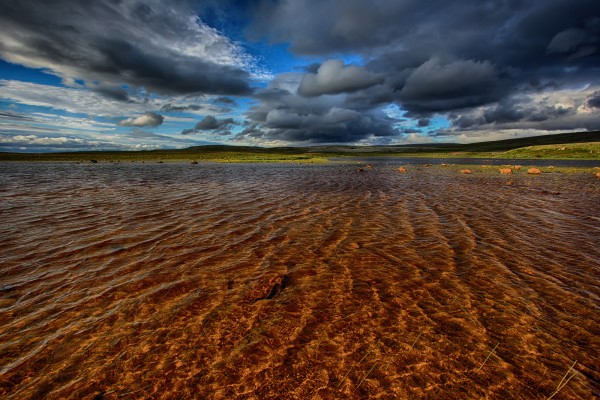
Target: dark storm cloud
point(210, 123)
point(423, 122)
point(441, 86)
point(283, 115)
point(467, 29)
point(464, 60)
point(112, 93)
point(506, 112)
point(594, 100)
point(333, 77)
point(522, 113)
point(466, 120)
point(152, 45)
point(567, 40)
point(336, 126)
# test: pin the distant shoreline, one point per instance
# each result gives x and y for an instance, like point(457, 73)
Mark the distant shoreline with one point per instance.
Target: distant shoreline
point(566, 146)
point(588, 151)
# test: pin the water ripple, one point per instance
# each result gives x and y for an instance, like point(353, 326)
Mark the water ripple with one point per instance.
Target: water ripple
point(155, 281)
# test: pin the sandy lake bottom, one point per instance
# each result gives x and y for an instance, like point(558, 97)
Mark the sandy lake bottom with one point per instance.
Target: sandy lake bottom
point(250, 281)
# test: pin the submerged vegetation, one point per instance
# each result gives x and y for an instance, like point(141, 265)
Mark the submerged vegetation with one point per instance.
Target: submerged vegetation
point(582, 146)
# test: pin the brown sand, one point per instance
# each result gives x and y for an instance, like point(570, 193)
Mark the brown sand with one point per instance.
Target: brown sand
point(277, 282)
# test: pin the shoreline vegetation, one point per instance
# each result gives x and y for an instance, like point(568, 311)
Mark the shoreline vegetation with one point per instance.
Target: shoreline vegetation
point(565, 146)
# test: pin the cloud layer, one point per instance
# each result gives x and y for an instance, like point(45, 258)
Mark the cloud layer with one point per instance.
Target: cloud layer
point(484, 64)
point(283, 115)
point(333, 77)
point(214, 125)
point(359, 71)
point(148, 119)
point(160, 47)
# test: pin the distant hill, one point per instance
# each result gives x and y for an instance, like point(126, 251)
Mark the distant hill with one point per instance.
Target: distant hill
point(490, 146)
point(510, 144)
point(580, 145)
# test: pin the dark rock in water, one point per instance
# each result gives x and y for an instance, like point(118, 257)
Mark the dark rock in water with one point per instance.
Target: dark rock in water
point(550, 192)
point(7, 288)
point(266, 287)
point(194, 162)
point(100, 396)
point(360, 169)
point(94, 161)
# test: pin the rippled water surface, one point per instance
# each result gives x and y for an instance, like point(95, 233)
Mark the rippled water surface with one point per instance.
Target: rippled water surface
point(297, 282)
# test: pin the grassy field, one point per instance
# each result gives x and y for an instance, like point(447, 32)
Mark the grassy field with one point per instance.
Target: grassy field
point(581, 146)
point(204, 154)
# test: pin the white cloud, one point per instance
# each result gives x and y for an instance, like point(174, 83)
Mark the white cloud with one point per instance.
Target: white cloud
point(71, 122)
point(73, 100)
point(44, 140)
point(148, 119)
point(83, 101)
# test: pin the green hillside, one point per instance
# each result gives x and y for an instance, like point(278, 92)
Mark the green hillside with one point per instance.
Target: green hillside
point(581, 145)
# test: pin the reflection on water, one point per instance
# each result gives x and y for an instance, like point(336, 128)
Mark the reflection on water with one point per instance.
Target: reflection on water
point(296, 282)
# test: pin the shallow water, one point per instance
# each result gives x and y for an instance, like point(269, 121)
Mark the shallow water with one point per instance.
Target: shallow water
point(396, 160)
point(160, 281)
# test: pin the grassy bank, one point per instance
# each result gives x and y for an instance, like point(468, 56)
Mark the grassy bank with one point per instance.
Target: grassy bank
point(567, 146)
point(167, 156)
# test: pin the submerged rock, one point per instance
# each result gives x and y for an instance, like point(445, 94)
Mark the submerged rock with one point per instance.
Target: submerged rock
point(7, 288)
point(266, 287)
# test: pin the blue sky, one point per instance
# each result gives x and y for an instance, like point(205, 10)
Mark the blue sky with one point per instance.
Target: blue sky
point(136, 75)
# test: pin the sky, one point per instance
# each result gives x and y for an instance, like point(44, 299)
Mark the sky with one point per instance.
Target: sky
point(141, 75)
